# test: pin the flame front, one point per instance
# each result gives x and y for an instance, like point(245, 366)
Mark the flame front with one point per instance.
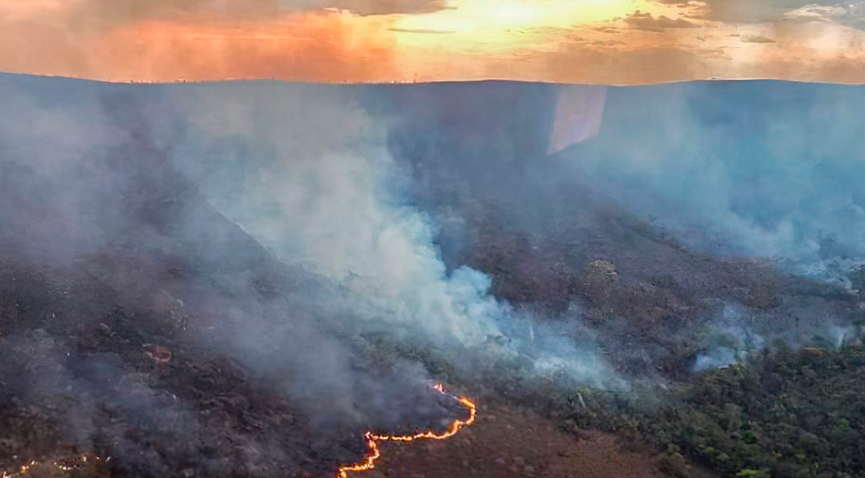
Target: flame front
point(372, 439)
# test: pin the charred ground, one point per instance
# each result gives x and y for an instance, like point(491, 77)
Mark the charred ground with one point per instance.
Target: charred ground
point(118, 328)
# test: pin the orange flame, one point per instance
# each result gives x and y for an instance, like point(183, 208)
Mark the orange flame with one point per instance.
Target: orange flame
point(64, 467)
point(367, 464)
point(372, 439)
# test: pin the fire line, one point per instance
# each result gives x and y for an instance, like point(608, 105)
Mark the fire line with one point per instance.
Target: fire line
point(373, 440)
point(367, 464)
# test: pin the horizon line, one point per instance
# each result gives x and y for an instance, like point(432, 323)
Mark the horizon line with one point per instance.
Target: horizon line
point(181, 81)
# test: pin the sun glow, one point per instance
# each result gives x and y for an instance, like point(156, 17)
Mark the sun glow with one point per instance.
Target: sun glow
point(485, 16)
point(498, 28)
point(472, 36)
point(513, 12)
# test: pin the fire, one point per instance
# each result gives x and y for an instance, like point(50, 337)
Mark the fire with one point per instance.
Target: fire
point(373, 440)
point(63, 466)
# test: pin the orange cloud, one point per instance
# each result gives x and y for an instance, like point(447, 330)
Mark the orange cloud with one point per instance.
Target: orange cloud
point(157, 45)
point(645, 21)
point(746, 11)
point(309, 47)
point(578, 41)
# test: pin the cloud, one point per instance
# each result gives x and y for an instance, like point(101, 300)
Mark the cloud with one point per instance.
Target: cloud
point(606, 29)
point(113, 12)
point(164, 40)
point(378, 7)
point(851, 14)
point(757, 39)
point(645, 21)
point(420, 30)
point(365, 40)
point(746, 11)
point(163, 45)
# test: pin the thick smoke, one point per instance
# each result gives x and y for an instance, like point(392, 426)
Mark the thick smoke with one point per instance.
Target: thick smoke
point(109, 254)
point(314, 242)
point(765, 169)
point(644, 180)
point(263, 230)
point(307, 173)
point(323, 192)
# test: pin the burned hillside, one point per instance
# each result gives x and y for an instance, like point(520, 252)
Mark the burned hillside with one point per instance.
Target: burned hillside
point(241, 279)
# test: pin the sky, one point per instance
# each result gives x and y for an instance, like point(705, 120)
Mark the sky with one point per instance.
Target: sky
point(570, 41)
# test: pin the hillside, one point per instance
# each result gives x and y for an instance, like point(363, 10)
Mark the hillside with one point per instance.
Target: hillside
point(240, 279)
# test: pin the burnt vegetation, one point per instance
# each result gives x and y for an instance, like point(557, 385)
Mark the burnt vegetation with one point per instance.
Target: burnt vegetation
point(144, 325)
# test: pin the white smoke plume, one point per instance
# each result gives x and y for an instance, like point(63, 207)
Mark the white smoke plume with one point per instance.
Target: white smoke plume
point(307, 172)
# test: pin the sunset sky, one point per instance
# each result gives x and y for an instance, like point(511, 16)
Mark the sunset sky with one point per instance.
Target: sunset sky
point(578, 41)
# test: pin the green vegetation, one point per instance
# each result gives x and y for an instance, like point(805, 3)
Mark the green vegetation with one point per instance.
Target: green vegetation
point(780, 415)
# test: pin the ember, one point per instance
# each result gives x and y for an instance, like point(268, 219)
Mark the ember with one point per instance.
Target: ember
point(159, 354)
point(373, 439)
point(63, 466)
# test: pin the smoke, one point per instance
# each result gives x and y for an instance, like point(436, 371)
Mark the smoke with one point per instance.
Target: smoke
point(37, 139)
point(262, 230)
point(678, 190)
point(108, 251)
point(763, 169)
point(322, 248)
point(730, 339)
point(83, 392)
point(320, 191)
point(324, 193)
